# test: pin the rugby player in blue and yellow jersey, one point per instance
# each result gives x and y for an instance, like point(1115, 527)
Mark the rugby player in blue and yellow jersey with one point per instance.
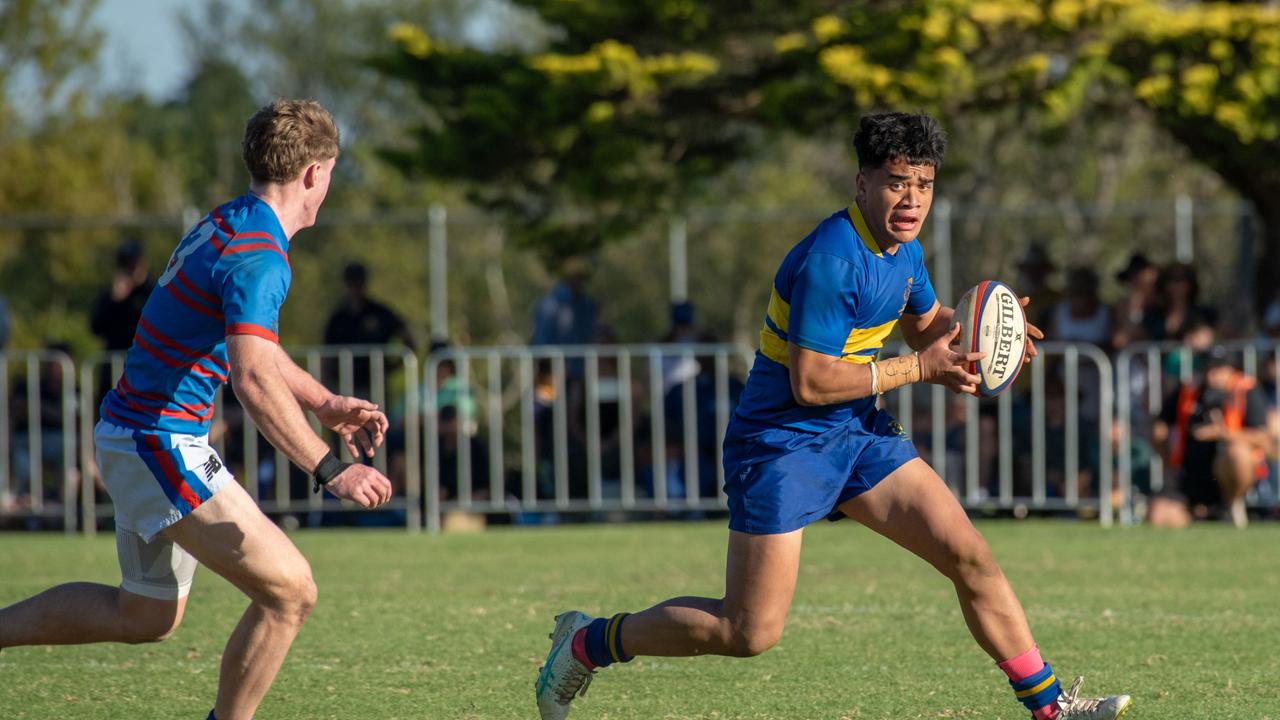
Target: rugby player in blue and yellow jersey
point(214, 316)
point(807, 442)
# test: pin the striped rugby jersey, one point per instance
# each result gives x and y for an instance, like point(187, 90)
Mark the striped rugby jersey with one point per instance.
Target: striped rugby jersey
point(229, 275)
point(836, 293)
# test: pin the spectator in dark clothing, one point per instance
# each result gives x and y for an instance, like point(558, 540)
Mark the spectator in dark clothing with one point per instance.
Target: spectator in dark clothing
point(116, 312)
point(4, 324)
point(1213, 434)
point(1176, 308)
point(1139, 278)
point(566, 315)
point(360, 320)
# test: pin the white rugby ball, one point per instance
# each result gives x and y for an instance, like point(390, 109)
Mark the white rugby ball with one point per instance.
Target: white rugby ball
point(992, 322)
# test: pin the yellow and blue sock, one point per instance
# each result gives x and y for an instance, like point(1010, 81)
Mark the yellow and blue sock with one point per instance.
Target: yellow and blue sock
point(1034, 683)
point(600, 643)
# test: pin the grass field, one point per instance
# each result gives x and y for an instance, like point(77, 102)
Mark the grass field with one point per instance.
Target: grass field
point(455, 627)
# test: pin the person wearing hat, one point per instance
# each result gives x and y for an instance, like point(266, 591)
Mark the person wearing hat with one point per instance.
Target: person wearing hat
point(116, 312)
point(1214, 439)
point(1138, 277)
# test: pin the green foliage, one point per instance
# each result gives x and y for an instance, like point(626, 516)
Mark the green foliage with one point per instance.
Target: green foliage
point(634, 106)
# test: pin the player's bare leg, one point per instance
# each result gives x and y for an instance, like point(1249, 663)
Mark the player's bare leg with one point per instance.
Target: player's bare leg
point(80, 612)
point(230, 535)
point(915, 509)
point(760, 580)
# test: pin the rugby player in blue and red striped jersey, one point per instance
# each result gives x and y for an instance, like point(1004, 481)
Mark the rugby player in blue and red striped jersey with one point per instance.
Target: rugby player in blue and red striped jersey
point(214, 317)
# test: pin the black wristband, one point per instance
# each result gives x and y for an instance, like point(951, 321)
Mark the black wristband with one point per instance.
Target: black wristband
point(329, 468)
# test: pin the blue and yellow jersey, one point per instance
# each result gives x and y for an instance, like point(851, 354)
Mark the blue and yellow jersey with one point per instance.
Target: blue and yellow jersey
point(836, 293)
point(228, 276)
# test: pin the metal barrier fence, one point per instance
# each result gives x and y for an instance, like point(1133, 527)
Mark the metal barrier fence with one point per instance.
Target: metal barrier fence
point(550, 407)
point(373, 372)
point(528, 397)
point(37, 429)
point(619, 428)
point(1146, 373)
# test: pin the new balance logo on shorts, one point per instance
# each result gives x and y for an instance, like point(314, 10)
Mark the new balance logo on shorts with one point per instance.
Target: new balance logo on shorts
point(211, 468)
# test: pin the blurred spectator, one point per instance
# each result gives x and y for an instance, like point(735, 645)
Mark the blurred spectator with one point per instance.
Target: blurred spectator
point(452, 392)
point(46, 420)
point(1176, 307)
point(566, 315)
point(452, 437)
point(4, 324)
point(360, 320)
point(116, 312)
point(1213, 435)
point(1271, 319)
point(1081, 316)
point(705, 419)
point(678, 368)
point(1035, 271)
point(1139, 280)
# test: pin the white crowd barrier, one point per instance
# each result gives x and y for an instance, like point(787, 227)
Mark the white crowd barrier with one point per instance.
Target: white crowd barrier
point(537, 432)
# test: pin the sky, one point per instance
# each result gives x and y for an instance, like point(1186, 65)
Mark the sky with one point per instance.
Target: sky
point(142, 47)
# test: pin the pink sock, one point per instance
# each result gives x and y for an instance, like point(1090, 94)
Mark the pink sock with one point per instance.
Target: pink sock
point(1024, 665)
point(580, 649)
point(1028, 663)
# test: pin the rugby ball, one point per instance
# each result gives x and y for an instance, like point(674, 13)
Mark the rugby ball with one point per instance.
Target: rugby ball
point(992, 322)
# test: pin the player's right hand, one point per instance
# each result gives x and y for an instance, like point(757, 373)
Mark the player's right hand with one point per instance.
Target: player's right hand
point(361, 484)
point(941, 364)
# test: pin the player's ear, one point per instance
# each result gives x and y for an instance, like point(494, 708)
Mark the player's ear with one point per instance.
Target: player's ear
point(860, 185)
point(311, 176)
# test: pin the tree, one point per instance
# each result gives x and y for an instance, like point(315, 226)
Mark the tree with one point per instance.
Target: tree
point(633, 107)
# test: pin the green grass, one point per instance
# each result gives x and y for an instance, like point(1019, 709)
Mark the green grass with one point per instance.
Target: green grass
point(455, 627)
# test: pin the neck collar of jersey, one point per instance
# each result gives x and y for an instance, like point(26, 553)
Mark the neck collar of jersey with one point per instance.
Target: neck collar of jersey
point(864, 232)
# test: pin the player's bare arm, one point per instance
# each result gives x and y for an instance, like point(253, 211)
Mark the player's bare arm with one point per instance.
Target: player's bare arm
point(360, 423)
point(818, 379)
point(267, 396)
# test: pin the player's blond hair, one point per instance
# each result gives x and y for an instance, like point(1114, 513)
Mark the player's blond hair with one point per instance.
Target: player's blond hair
point(284, 137)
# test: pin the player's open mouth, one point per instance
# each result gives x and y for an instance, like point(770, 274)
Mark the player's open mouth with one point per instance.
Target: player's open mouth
point(903, 223)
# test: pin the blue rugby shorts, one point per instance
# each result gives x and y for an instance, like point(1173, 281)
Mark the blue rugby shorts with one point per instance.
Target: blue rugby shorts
point(780, 480)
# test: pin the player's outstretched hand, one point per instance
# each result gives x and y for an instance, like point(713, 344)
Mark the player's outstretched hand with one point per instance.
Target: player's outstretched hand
point(1032, 332)
point(941, 364)
point(362, 484)
point(359, 422)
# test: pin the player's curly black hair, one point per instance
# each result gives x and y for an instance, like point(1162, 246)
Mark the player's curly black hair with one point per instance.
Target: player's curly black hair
point(881, 137)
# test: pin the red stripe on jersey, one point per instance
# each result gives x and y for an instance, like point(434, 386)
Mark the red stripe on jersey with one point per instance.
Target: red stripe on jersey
point(192, 303)
point(122, 420)
point(251, 329)
point(221, 224)
point(171, 472)
point(190, 285)
point(162, 357)
point(253, 235)
point(176, 346)
point(231, 250)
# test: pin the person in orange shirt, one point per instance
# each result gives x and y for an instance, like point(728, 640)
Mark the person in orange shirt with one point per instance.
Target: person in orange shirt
point(1214, 438)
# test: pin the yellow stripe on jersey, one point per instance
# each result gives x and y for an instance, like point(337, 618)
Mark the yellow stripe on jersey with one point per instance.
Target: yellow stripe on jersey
point(779, 311)
point(774, 347)
point(864, 232)
point(866, 339)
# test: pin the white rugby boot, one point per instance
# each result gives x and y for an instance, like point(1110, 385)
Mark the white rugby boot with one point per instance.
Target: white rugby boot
point(1078, 708)
point(562, 677)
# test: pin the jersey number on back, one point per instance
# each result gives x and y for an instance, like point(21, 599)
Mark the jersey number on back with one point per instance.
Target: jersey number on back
point(196, 237)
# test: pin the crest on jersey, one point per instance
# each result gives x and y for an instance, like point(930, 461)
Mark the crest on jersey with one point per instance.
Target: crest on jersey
point(906, 293)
